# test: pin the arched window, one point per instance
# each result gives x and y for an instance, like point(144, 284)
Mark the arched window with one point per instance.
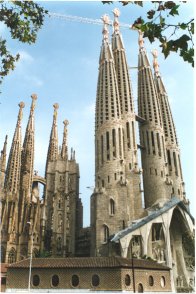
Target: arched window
point(140, 288)
point(36, 280)
point(55, 280)
point(12, 256)
point(162, 282)
point(95, 280)
point(151, 281)
point(75, 280)
point(112, 207)
point(105, 233)
point(127, 280)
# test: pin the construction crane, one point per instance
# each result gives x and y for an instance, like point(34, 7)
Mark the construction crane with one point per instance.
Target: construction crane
point(73, 18)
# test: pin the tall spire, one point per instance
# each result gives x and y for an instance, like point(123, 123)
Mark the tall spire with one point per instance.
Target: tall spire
point(64, 154)
point(121, 66)
point(113, 187)
point(53, 144)
point(127, 115)
point(12, 178)
point(27, 165)
point(3, 163)
point(171, 142)
point(151, 134)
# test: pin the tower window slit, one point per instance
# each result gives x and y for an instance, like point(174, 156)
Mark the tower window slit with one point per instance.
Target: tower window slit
point(102, 159)
point(114, 142)
point(128, 134)
point(158, 144)
point(153, 145)
point(169, 158)
point(133, 134)
point(175, 164)
point(180, 166)
point(120, 146)
point(163, 145)
point(108, 145)
point(148, 143)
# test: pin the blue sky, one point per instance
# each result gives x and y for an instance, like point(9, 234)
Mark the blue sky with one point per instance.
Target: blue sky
point(62, 67)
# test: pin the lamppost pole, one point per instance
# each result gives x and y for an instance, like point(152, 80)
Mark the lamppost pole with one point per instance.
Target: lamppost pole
point(31, 256)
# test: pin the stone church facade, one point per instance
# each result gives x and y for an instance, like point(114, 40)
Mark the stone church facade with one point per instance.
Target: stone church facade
point(162, 229)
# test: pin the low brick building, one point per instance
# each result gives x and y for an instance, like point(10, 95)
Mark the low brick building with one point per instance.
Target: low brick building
point(92, 273)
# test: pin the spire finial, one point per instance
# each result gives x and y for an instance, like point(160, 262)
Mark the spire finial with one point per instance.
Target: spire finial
point(34, 98)
point(56, 106)
point(106, 21)
point(116, 13)
point(140, 39)
point(21, 105)
point(155, 62)
point(66, 122)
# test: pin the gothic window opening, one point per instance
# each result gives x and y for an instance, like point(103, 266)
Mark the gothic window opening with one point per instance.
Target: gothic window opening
point(105, 234)
point(103, 184)
point(112, 207)
point(12, 256)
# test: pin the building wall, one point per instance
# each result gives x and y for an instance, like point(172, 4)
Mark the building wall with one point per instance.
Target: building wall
point(110, 279)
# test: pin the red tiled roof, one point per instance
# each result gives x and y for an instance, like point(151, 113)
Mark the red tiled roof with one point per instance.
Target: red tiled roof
point(88, 262)
point(4, 267)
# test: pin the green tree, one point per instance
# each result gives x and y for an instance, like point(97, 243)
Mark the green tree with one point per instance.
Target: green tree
point(23, 19)
point(173, 37)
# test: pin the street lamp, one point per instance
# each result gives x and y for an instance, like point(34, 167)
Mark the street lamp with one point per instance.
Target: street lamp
point(31, 256)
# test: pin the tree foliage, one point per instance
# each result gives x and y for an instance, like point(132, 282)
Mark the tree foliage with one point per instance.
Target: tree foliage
point(173, 37)
point(23, 19)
